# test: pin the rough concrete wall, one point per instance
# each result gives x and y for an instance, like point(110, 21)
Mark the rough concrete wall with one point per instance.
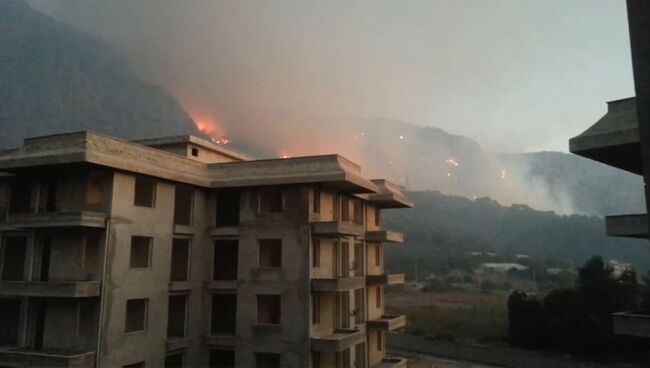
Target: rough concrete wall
point(291, 281)
point(200, 270)
point(207, 156)
point(326, 206)
point(4, 199)
point(326, 269)
point(124, 283)
point(375, 356)
point(67, 257)
point(372, 249)
point(327, 309)
point(370, 219)
point(62, 326)
point(71, 192)
point(373, 311)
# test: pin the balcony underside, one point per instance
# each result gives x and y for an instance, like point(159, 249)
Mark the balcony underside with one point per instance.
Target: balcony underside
point(393, 362)
point(614, 139)
point(387, 323)
point(50, 289)
point(632, 323)
point(338, 284)
point(44, 358)
point(385, 279)
point(384, 236)
point(337, 228)
point(628, 226)
point(338, 341)
point(54, 220)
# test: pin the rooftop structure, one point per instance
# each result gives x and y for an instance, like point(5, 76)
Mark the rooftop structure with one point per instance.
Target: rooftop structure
point(179, 252)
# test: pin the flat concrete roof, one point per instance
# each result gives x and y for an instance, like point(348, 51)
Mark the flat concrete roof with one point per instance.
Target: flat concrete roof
point(200, 142)
point(102, 150)
point(614, 139)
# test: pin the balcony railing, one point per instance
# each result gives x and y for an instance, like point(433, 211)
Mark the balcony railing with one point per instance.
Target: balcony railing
point(385, 279)
point(337, 228)
point(50, 289)
point(54, 219)
point(384, 236)
point(23, 357)
point(387, 322)
point(338, 341)
point(628, 226)
point(338, 284)
point(632, 323)
point(393, 362)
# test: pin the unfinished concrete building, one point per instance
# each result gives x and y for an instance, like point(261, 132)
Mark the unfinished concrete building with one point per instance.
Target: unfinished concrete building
point(621, 139)
point(177, 252)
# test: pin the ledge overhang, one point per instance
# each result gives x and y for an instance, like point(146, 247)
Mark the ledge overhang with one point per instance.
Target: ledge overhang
point(43, 358)
point(340, 340)
point(337, 228)
point(392, 362)
point(54, 220)
point(632, 323)
point(338, 284)
point(50, 289)
point(384, 236)
point(385, 279)
point(627, 226)
point(614, 139)
point(387, 322)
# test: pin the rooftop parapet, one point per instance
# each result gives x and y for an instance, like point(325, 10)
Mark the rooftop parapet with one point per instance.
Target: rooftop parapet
point(614, 139)
point(97, 149)
point(334, 170)
point(186, 142)
point(389, 195)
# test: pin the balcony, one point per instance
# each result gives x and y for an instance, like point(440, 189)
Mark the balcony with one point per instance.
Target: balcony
point(54, 219)
point(384, 236)
point(337, 228)
point(50, 289)
point(220, 340)
point(385, 279)
point(338, 284)
point(393, 362)
point(224, 232)
point(387, 323)
point(614, 139)
point(338, 341)
point(24, 357)
point(628, 226)
point(632, 323)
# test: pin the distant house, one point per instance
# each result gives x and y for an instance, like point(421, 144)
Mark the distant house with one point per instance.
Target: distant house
point(500, 267)
point(522, 256)
point(554, 271)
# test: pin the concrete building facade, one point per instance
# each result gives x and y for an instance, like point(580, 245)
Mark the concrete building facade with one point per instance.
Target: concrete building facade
point(177, 252)
point(621, 139)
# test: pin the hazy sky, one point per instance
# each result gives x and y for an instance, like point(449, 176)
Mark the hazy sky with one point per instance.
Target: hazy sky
point(513, 74)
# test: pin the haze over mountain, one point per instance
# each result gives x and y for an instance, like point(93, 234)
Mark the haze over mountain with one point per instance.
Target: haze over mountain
point(54, 79)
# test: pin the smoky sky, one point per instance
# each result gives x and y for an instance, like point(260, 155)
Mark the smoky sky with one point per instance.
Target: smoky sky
point(516, 75)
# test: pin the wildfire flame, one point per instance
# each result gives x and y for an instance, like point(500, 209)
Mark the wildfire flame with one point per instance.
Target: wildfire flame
point(209, 126)
point(452, 162)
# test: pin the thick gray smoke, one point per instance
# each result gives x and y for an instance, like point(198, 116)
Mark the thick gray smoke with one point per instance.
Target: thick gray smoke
point(295, 77)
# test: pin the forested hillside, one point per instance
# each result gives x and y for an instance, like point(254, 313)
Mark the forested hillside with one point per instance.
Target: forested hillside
point(446, 229)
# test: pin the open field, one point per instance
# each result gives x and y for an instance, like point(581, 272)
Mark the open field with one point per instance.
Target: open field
point(457, 315)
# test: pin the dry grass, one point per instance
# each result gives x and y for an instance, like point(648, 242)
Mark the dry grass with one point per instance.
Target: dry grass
point(465, 315)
